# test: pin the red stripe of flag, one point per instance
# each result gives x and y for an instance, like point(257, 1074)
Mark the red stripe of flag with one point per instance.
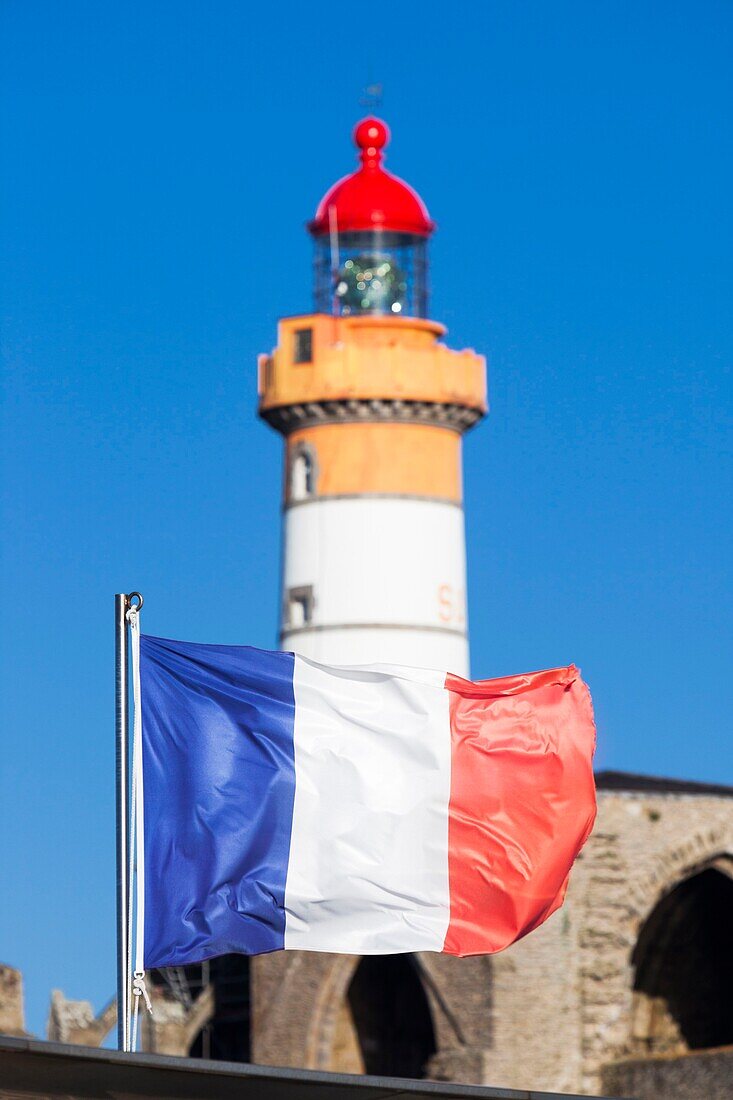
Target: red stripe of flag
point(522, 802)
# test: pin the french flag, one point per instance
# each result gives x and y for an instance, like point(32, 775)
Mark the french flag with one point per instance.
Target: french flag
point(362, 809)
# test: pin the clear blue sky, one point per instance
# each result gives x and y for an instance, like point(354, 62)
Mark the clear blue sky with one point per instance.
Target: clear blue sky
point(160, 160)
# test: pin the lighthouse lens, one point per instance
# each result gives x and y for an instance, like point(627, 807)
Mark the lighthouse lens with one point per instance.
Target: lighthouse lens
point(371, 273)
point(371, 283)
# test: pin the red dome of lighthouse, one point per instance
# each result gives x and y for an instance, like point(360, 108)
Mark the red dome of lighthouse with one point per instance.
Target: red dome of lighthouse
point(372, 198)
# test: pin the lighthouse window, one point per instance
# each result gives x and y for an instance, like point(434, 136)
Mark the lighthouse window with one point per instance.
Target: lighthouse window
point(301, 602)
point(303, 352)
point(302, 473)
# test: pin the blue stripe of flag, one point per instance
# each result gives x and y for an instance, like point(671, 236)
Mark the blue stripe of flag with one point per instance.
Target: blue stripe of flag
point(219, 778)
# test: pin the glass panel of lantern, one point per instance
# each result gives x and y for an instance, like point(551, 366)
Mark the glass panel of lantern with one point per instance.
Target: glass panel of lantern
point(371, 272)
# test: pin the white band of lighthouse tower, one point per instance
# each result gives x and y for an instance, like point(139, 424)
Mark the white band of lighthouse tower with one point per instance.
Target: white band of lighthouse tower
point(386, 577)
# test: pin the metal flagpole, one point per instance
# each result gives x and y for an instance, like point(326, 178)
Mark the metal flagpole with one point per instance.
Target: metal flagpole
point(122, 736)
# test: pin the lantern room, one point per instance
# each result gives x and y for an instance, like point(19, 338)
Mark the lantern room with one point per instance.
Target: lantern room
point(371, 234)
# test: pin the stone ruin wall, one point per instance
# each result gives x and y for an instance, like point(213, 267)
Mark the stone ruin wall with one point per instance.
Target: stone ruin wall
point(564, 1000)
point(12, 1016)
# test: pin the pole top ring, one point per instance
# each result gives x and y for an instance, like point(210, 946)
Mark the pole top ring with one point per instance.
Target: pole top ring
point(135, 606)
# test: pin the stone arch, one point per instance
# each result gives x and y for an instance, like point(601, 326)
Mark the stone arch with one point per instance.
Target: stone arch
point(621, 891)
point(673, 864)
point(373, 1016)
point(338, 970)
point(683, 964)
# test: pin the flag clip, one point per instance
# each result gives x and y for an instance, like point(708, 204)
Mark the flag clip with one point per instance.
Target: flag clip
point(139, 989)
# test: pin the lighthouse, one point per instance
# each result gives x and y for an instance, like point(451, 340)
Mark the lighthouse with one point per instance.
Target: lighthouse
point(373, 406)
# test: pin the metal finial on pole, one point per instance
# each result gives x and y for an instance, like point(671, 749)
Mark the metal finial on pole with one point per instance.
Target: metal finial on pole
point(123, 817)
point(371, 97)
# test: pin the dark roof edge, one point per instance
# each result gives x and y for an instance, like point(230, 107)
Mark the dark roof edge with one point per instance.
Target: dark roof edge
point(111, 1066)
point(656, 784)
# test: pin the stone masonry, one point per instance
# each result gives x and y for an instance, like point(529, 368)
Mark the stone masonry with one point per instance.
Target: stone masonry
point(12, 1021)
